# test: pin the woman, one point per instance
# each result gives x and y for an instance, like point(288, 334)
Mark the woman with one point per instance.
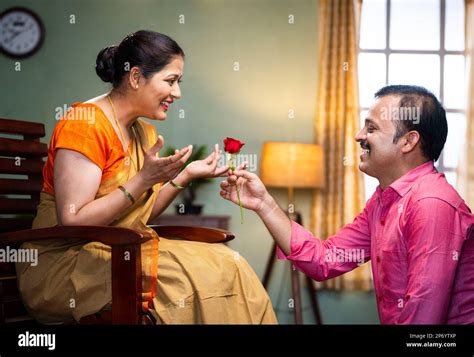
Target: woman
point(106, 171)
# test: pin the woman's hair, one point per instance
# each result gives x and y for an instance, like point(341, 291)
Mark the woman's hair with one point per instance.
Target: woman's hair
point(148, 50)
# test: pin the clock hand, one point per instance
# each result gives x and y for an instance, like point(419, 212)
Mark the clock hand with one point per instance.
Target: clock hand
point(15, 34)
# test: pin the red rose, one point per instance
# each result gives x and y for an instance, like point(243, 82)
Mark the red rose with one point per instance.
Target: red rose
point(232, 146)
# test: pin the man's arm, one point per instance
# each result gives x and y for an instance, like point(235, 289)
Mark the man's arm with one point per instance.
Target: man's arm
point(319, 259)
point(434, 246)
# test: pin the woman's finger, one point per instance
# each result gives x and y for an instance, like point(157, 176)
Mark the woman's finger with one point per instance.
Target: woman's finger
point(221, 171)
point(208, 160)
point(213, 164)
point(165, 161)
point(157, 146)
point(178, 164)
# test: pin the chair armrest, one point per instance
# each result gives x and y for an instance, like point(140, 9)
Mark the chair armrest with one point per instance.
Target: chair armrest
point(126, 261)
point(111, 236)
point(197, 234)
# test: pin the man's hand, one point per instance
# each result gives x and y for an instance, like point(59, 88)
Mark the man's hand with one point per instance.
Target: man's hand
point(254, 196)
point(253, 193)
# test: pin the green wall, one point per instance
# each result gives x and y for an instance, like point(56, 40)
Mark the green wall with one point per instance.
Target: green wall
point(277, 73)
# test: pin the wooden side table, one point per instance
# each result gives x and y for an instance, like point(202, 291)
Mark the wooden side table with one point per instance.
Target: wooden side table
point(221, 222)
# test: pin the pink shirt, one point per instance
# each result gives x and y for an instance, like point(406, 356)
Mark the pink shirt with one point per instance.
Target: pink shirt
point(416, 234)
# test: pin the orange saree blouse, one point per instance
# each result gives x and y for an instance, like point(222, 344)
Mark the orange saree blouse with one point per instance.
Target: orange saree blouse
point(85, 129)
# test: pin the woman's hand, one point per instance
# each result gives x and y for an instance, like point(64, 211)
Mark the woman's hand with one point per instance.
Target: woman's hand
point(253, 193)
point(206, 168)
point(156, 169)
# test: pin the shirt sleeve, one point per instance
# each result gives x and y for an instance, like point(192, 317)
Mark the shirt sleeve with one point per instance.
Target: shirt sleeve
point(89, 139)
point(434, 241)
point(325, 259)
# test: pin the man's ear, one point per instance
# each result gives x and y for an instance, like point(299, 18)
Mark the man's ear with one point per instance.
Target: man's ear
point(410, 140)
point(134, 77)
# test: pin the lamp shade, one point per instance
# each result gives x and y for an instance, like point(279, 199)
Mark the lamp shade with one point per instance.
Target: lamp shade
point(294, 165)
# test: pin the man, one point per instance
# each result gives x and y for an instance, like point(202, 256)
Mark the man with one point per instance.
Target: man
point(416, 229)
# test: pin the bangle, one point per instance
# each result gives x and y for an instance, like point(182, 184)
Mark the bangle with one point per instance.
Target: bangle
point(127, 194)
point(179, 187)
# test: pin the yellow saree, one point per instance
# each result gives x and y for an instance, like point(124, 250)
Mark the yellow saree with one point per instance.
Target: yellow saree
point(193, 282)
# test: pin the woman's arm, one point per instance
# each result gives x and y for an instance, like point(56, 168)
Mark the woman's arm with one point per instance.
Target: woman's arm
point(168, 193)
point(77, 180)
point(206, 168)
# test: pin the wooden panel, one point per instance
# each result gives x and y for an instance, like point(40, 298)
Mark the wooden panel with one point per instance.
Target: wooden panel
point(7, 270)
point(197, 234)
point(113, 236)
point(27, 166)
point(21, 187)
point(10, 287)
point(15, 224)
point(191, 220)
point(127, 289)
point(33, 130)
point(12, 206)
point(13, 307)
point(22, 148)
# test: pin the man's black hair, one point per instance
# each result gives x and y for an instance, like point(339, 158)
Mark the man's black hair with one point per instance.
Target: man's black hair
point(429, 121)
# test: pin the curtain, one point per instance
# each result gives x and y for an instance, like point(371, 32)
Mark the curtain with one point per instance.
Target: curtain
point(465, 181)
point(336, 124)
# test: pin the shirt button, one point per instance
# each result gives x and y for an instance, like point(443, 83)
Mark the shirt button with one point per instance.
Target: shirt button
point(380, 299)
point(407, 297)
point(378, 259)
point(382, 222)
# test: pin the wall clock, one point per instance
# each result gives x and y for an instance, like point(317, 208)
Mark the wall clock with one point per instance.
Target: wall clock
point(21, 32)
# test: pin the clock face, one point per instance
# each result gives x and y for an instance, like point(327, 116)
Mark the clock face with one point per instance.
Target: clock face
point(21, 32)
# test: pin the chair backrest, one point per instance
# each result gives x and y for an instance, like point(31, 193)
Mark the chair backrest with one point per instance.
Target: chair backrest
point(21, 165)
point(21, 180)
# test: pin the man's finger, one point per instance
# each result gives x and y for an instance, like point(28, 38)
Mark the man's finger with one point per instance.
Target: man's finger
point(242, 166)
point(244, 174)
point(224, 195)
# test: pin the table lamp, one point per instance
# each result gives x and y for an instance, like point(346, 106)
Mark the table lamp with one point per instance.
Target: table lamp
point(293, 165)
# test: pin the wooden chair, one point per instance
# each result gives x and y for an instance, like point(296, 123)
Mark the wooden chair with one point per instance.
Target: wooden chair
point(21, 163)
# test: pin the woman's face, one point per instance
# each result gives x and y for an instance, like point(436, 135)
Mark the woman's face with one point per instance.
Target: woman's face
point(159, 91)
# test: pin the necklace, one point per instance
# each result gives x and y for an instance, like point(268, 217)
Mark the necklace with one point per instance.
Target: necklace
point(123, 138)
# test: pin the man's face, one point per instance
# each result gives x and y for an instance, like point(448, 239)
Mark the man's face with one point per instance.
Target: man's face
point(380, 155)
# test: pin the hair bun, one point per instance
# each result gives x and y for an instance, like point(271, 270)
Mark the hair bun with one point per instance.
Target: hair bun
point(104, 64)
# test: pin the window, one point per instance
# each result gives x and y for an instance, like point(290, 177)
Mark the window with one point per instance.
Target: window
point(416, 42)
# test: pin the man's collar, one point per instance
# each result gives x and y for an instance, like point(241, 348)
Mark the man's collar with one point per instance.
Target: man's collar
point(403, 184)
